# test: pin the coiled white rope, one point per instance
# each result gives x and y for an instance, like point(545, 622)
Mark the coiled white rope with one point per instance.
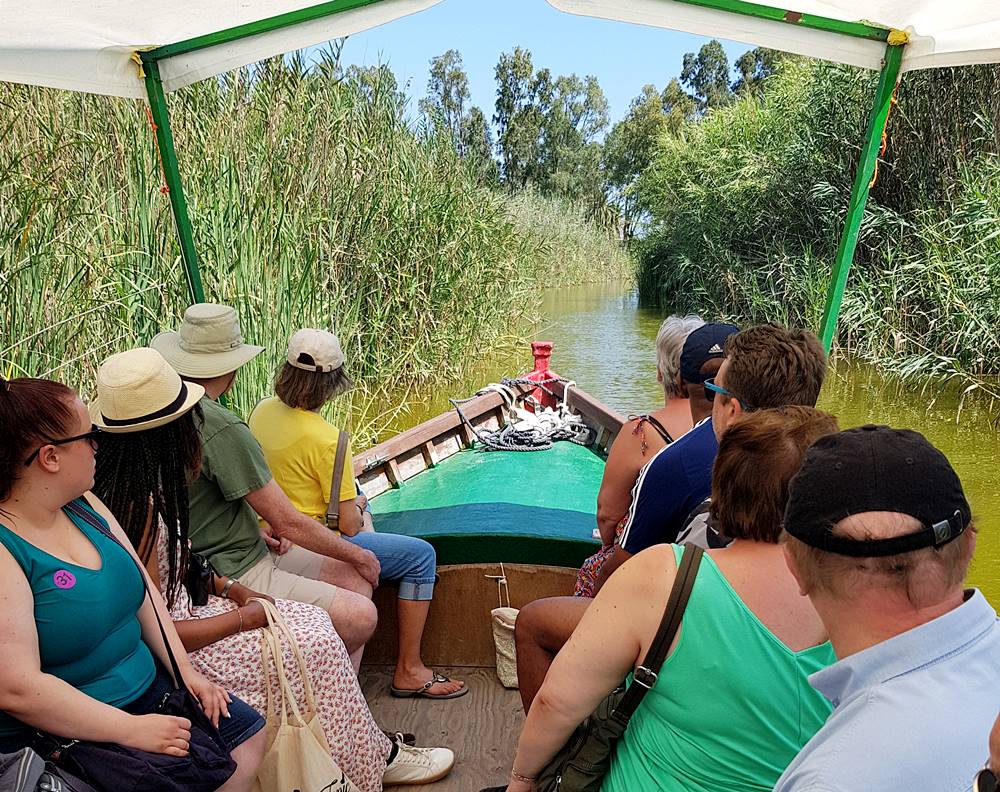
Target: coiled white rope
point(524, 430)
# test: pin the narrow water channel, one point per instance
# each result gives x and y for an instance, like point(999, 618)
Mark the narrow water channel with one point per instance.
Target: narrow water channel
point(605, 342)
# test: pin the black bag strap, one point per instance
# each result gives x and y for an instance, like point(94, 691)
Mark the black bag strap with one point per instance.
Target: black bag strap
point(646, 673)
point(333, 505)
point(660, 428)
point(90, 517)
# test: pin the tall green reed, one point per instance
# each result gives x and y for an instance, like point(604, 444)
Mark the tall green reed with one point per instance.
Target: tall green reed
point(314, 203)
point(748, 205)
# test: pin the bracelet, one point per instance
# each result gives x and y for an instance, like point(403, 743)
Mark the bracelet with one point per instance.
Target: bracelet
point(225, 588)
point(523, 779)
point(239, 611)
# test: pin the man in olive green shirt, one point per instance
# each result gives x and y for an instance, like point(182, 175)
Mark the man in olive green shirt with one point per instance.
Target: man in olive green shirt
point(235, 490)
point(224, 526)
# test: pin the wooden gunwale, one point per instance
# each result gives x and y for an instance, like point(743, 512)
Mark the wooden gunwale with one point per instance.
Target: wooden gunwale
point(390, 463)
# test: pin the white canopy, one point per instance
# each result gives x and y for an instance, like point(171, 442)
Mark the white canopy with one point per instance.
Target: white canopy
point(942, 32)
point(87, 45)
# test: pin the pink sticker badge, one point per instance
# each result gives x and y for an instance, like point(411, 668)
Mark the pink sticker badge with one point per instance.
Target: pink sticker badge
point(64, 579)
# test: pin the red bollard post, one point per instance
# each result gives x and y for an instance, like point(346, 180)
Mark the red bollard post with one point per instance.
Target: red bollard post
point(542, 350)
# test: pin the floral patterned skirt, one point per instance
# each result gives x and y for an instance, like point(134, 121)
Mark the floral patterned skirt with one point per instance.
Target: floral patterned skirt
point(357, 744)
point(586, 576)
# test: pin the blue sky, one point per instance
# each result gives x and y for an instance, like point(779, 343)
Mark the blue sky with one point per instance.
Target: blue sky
point(623, 57)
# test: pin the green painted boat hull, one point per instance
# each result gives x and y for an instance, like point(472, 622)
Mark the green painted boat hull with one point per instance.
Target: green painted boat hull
point(476, 506)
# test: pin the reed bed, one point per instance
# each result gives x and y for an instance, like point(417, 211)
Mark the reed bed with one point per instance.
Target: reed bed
point(314, 203)
point(575, 247)
point(748, 205)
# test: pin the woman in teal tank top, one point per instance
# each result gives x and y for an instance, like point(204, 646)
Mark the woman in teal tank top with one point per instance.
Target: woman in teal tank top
point(79, 634)
point(732, 704)
point(88, 633)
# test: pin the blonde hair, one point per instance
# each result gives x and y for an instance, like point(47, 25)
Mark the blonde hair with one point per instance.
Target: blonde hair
point(670, 340)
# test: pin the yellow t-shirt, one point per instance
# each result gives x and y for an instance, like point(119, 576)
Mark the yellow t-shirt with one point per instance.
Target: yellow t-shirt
point(300, 448)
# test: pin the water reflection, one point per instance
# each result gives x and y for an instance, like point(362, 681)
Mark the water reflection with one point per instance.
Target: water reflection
point(605, 342)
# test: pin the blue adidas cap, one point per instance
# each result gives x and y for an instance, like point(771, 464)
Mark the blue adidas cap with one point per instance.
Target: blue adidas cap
point(703, 344)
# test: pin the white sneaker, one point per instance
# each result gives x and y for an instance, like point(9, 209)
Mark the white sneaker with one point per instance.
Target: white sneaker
point(418, 765)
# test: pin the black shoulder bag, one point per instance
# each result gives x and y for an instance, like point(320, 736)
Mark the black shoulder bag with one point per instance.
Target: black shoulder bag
point(198, 579)
point(581, 764)
point(115, 768)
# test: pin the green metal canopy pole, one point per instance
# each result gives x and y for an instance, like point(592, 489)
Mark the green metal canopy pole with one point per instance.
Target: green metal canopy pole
point(171, 173)
point(888, 79)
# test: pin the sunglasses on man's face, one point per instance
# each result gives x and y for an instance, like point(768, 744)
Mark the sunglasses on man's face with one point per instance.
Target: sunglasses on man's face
point(711, 388)
point(92, 436)
point(985, 781)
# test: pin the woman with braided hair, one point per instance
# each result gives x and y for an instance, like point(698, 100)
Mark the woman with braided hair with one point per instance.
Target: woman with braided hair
point(142, 473)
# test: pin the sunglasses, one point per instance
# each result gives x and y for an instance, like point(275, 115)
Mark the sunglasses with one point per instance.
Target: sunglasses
point(711, 389)
point(92, 436)
point(985, 781)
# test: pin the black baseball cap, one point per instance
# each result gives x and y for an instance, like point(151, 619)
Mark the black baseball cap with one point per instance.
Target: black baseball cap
point(701, 345)
point(875, 468)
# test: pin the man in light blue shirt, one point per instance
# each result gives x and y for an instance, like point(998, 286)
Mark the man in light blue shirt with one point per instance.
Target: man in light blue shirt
point(880, 539)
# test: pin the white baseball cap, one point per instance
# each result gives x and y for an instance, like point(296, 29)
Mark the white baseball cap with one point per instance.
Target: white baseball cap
point(315, 350)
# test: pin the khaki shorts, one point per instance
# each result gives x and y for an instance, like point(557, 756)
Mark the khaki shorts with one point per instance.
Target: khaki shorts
point(291, 576)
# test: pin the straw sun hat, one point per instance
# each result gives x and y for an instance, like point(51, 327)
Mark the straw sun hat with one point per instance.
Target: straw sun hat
point(207, 344)
point(138, 390)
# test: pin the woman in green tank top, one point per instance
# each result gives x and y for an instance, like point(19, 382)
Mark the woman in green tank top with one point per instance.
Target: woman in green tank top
point(732, 704)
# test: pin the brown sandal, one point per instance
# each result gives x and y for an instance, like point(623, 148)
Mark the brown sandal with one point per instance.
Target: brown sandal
point(422, 692)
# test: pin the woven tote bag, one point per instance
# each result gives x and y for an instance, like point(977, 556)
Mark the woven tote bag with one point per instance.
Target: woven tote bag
point(502, 621)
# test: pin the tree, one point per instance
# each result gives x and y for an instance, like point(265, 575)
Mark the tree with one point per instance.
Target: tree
point(475, 145)
point(574, 112)
point(376, 83)
point(631, 144)
point(678, 106)
point(754, 66)
point(707, 76)
point(517, 117)
point(547, 127)
point(447, 94)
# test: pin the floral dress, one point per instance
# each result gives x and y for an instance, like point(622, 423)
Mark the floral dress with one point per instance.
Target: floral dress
point(357, 744)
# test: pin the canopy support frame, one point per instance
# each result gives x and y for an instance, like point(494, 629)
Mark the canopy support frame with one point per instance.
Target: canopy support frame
point(267, 25)
point(870, 149)
point(889, 77)
point(813, 21)
point(172, 177)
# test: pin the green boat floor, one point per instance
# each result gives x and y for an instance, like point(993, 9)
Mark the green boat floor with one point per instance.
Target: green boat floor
point(535, 507)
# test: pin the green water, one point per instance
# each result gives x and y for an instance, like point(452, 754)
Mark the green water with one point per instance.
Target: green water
point(604, 341)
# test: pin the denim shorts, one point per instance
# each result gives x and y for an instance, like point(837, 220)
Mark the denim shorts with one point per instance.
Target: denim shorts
point(404, 559)
point(242, 724)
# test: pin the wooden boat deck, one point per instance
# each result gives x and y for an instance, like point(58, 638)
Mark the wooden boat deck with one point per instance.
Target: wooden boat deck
point(481, 727)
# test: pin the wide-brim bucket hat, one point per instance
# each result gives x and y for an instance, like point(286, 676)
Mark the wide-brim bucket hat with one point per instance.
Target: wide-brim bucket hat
point(139, 390)
point(208, 343)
